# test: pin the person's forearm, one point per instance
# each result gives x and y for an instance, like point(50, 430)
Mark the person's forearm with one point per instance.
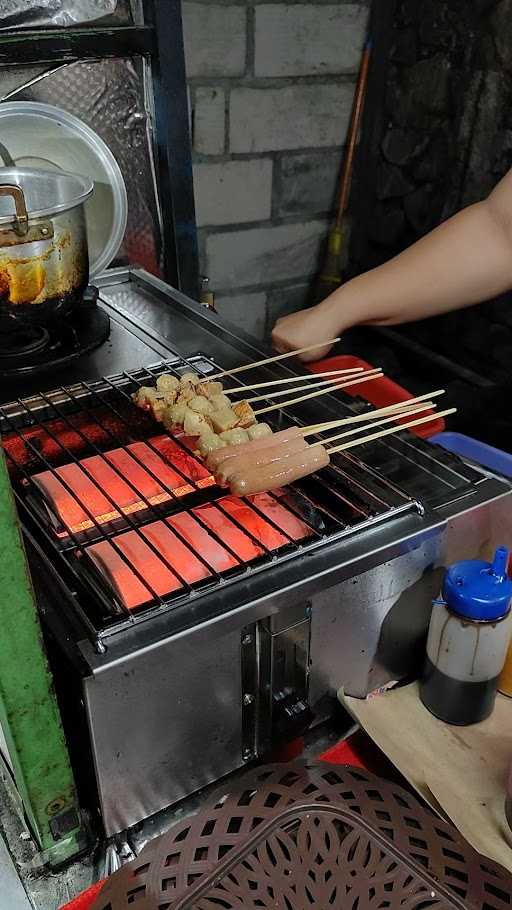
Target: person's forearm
point(466, 260)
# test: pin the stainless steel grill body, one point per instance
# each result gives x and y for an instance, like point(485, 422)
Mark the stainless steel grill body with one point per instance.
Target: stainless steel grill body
point(167, 699)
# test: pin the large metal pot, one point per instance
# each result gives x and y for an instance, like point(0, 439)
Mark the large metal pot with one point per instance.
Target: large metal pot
point(44, 264)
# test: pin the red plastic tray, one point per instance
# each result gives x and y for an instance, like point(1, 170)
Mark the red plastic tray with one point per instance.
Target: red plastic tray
point(380, 392)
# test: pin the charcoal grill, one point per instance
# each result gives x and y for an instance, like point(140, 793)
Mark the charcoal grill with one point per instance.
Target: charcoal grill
point(189, 630)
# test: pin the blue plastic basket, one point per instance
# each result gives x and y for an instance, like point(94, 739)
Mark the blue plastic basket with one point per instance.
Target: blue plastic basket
point(487, 456)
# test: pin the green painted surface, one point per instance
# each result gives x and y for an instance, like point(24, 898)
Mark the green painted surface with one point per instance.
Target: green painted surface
point(28, 709)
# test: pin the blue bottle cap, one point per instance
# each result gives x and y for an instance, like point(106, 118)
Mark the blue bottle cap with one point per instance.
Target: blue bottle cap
point(479, 590)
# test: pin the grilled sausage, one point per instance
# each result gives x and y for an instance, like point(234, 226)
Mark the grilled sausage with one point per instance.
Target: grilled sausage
point(246, 462)
point(254, 446)
point(279, 473)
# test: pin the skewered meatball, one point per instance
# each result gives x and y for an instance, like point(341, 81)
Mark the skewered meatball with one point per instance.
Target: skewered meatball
point(189, 378)
point(195, 424)
point(175, 415)
point(149, 399)
point(259, 431)
point(234, 437)
point(167, 383)
point(200, 405)
point(209, 442)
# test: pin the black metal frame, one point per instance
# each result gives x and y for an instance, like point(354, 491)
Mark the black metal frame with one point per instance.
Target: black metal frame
point(160, 40)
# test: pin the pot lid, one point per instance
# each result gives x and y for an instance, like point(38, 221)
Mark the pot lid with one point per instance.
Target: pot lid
point(44, 137)
point(46, 193)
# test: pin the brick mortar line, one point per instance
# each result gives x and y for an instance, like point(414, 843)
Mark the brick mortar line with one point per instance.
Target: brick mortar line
point(271, 82)
point(254, 3)
point(286, 285)
point(276, 156)
point(301, 218)
point(250, 43)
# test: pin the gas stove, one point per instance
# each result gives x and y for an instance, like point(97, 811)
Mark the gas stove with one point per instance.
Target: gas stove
point(28, 349)
point(188, 630)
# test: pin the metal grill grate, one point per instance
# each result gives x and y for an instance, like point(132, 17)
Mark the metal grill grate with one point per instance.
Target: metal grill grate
point(142, 502)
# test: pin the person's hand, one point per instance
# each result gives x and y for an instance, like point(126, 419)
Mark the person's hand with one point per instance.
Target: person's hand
point(306, 327)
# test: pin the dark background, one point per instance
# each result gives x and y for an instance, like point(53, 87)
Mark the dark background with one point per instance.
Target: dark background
point(437, 136)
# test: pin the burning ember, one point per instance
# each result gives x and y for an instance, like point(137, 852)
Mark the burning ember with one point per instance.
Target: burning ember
point(95, 493)
point(175, 564)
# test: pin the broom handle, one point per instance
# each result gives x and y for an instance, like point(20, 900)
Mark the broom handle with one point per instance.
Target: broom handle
point(357, 112)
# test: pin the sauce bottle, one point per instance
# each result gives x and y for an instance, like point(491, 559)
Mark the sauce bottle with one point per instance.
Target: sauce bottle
point(467, 642)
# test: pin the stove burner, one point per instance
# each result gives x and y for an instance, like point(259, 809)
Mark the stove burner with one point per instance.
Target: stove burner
point(27, 349)
point(18, 341)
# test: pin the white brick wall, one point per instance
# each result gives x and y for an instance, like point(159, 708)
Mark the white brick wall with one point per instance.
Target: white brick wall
point(209, 121)
point(263, 255)
point(247, 311)
point(297, 116)
point(308, 40)
point(271, 83)
point(233, 191)
point(215, 39)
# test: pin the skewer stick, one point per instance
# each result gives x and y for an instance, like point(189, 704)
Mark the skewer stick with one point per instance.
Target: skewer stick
point(261, 363)
point(261, 385)
point(306, 388)
point(398, 415)
point(404, 426)
point(370, 415)
point(285, 404)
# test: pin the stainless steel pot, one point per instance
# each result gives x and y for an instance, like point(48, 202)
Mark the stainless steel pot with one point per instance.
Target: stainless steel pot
point(44, 263)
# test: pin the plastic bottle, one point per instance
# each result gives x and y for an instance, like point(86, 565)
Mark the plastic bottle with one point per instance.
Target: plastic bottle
point(468, 640)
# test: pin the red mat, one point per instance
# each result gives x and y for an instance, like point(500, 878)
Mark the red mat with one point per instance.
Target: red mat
point(84, 900)
point(380, 392)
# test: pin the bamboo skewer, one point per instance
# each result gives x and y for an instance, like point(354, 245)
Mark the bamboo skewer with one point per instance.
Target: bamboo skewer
point(261, 363)
point(398, 415)
point(382, 433)
point(285, 404)
point(261, 385)
point(370, 415)
point(325, 383)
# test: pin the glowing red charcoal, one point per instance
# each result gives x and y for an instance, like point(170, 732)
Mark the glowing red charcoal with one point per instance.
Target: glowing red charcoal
point(71, 503)
point(129, 589)
point(239, 542)
point(177, 554)
point(293, 527)
point(184, 462)
point(270, 537)
point(97, 485)
point(198, 537)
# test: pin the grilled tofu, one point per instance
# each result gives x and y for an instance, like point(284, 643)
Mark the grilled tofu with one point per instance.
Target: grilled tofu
point(210, 389)
point(245, 414)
